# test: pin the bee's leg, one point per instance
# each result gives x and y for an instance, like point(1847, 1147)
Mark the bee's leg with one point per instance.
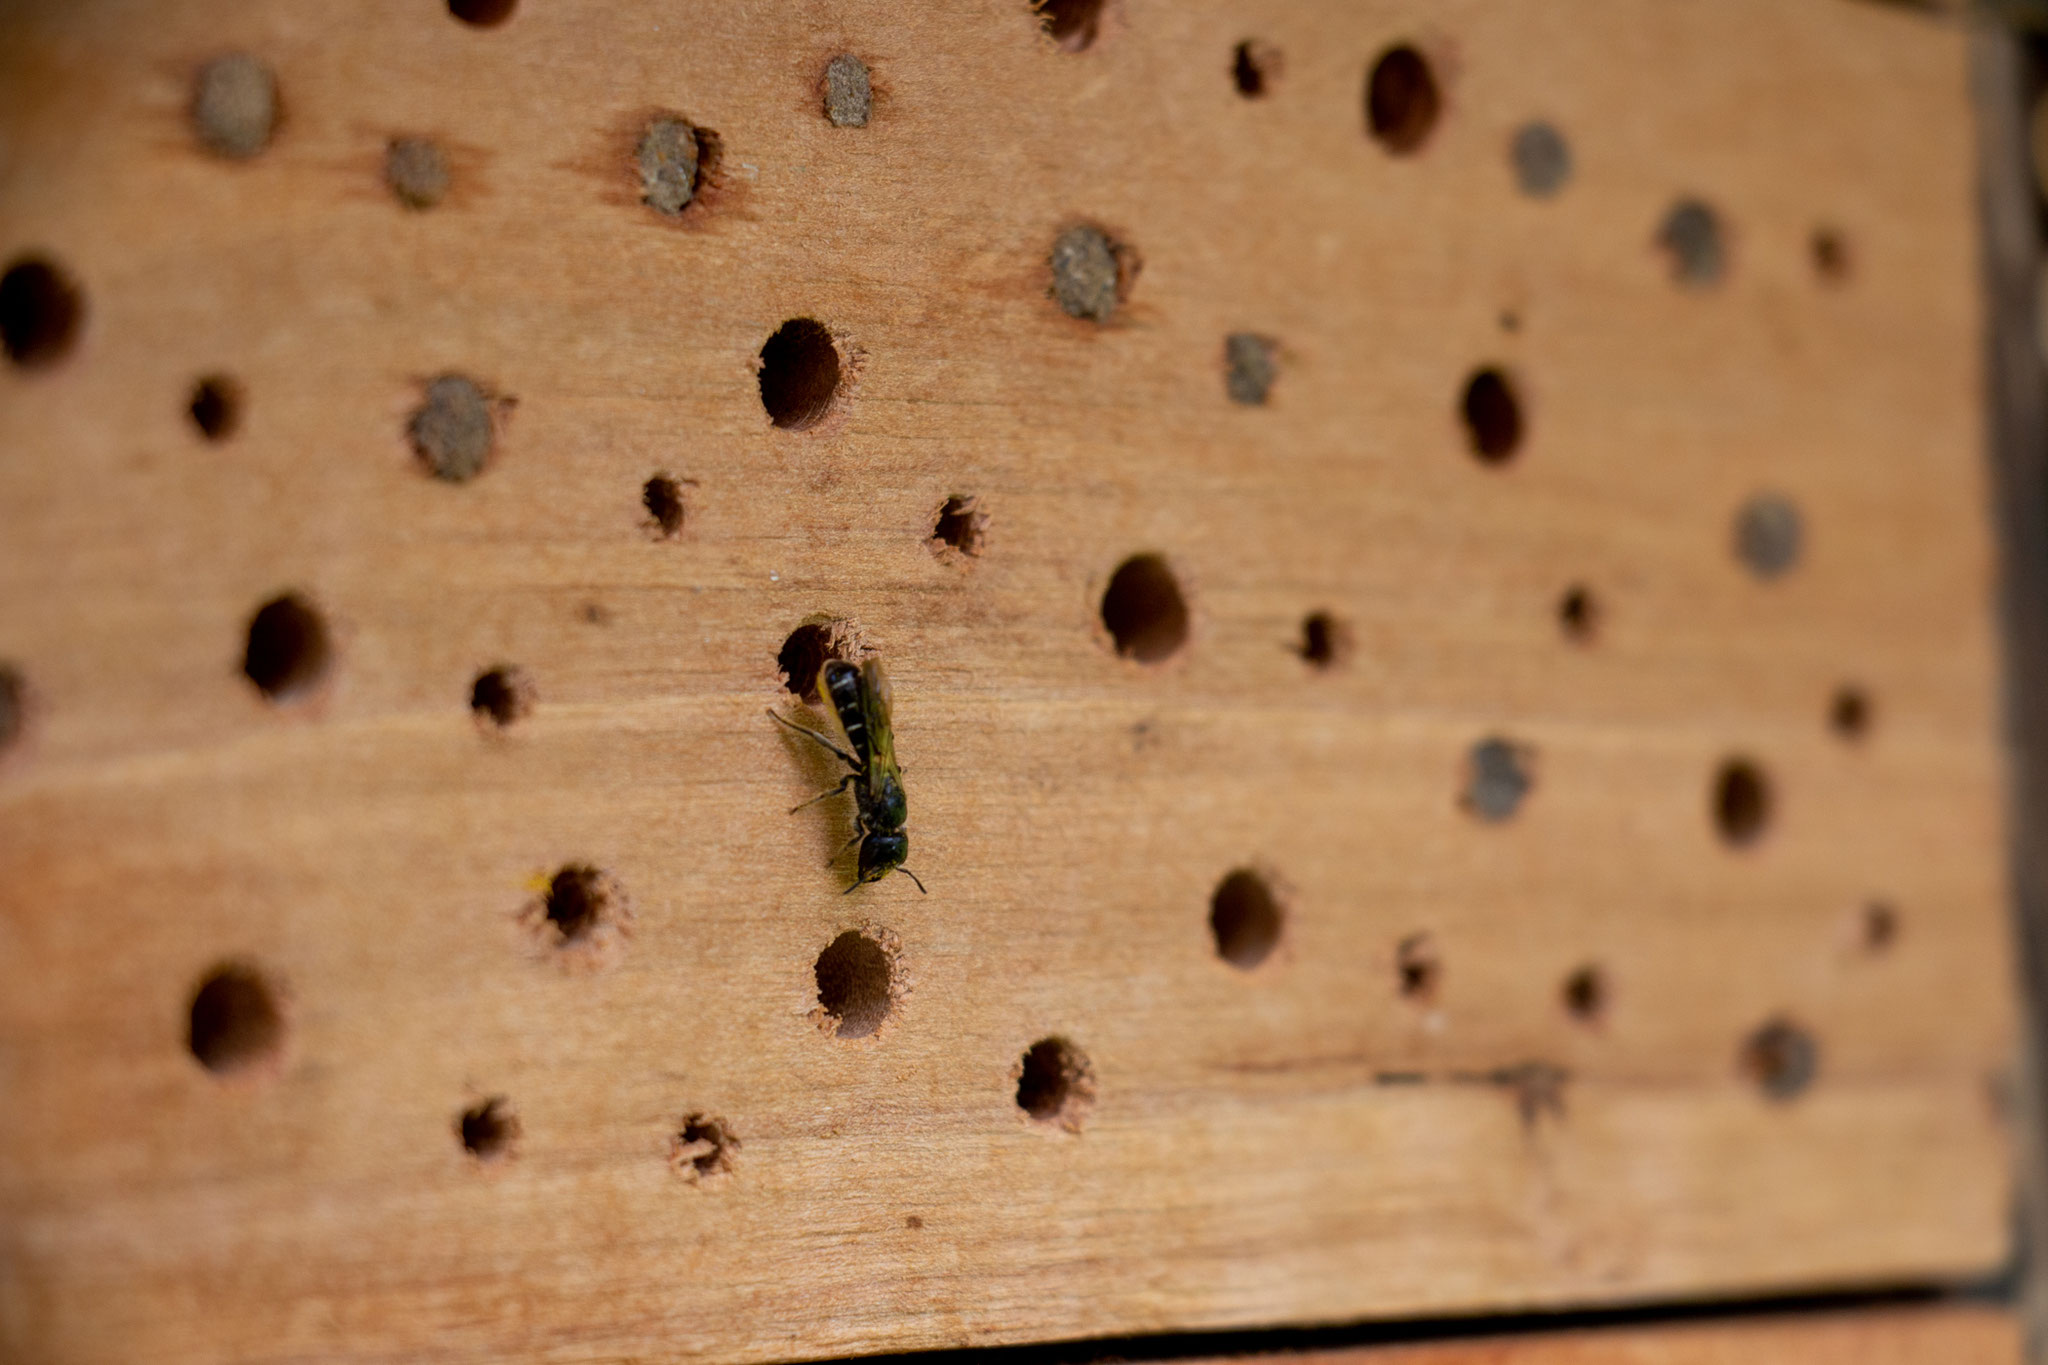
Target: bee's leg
point(807, 731)
point(913, 876)
point(844, 783)
point(858, 835)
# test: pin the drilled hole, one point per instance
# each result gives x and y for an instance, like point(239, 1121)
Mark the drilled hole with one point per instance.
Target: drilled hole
point(1325, 640)
point(237, 1020)
point(1401, 100)
point(1073, 24)
point(483, 13)
point(961, 526)
point(1253, 68)
point(416, 169)
point(807, 649)
point(1245, 916)
point(40, 309)
point(799, 374)
point(289, 650)
point(1879, 926)
point(1092, 272)
point(234, 106)
point(13, 706)
point(662, 496)
point(1143, 610)
point(1742, 802)
point(1782, 1058)
point(1578, 614)
point(1498, 778)
point(1055, 1084)
point(216, 407)
point(1691, 238)
point(1829, 249)
point(501, 696)
point(677, 162)
point(1585, 994)
point(452, 429)
point(1768, 535)
point(488, 1129)
point(1250, 365)
point(1493, 416)
point(703, 1148)
point(1543, 160)
point(1850, 712)
point(1417, 969)
point(580, 901)
point(849, 92)
point(855, 984)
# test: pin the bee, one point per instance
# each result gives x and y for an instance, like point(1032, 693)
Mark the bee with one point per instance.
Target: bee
point(859, 699)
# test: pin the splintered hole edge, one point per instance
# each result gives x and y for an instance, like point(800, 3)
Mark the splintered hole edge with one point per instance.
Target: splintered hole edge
point(1055, 1084)
point(855, 976)
point(488, 1128)
point(1073, 24)
point(703, 1147)
point(800, 374)
point(804, 653)
point(1402, 101)
point(216, 407)
point(1246, 918)
point(1742, 802)
point(236, 1019)
point(961, 525)
point(288, 651)
point(1493, 415)
point(1144, 611)
point(662, 496)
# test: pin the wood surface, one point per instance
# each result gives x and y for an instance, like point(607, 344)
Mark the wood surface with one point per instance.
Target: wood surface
point(1395, 1112)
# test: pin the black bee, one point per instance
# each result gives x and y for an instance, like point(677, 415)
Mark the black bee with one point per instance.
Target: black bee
point(859, 700)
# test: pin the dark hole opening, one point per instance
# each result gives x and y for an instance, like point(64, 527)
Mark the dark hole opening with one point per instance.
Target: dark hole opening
point(1585, 994)
point(1850, 712)
point(1830, 255)
point(854, 984)
point(1880, 926)
point(216, 407)
point(1143, 610)
point(1493, 416)
point(288, 651)
point(961, 525)
point(705, 1145)
point(1742, 802)
point(1073, 24)
point(662, 496)
point(1324, 639)
point(1251, 69)
point(1578, 613)
point(799, 374)
point(579, 899)
point(13, 706)
point(1245, 917)
point(482, 13)
point(39, 313)
point(1691, 237)
point(1417, 968)
point(1401, 100)
point(487, 1129)
point(803, 654)
point(1782, 1058)
point(236, 1020)
point(1054, 1084)
point(501, 695)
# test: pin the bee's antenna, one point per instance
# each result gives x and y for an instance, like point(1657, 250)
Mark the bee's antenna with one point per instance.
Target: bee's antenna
point(913, 876)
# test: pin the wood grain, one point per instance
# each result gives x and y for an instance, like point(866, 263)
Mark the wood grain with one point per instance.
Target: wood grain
point(1296, 1143)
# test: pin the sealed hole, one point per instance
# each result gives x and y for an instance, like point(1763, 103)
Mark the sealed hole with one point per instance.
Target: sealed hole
point(1249, 368)
point(580, 901)
point(1499, 775)
point(849, 94)
point(962, 526)
point(1768, 535)
point(288, 650)
point(1055, 1083)
point(799, 374)
point(662, 496)
point(677, 161)
point(1849, 713)
point(452, 429)
point(1691, 239)
point(234, 106)
point(1253, 68)
point(1092, 272)
point(488, 1128)
point(1782, 1058)
point(216, 407)
point(1578, 614)
point(1543, 160)
point(1073, 24)
point(1418, 969)
point(1585, 994)
point(40, 310)
point(806, 650)
point(855, 984)
point(482, 13)
point(1830, 252)
point(501, 696)
point(416, 169)
point(1401, 100)
point(237, 1020)
point(1245, 917)
point(1324, 640)
point(703, 1148)
point(1493, 416)
point(13, 706)
point(1742, 802)
point(1879, 926)
point(1143, 610)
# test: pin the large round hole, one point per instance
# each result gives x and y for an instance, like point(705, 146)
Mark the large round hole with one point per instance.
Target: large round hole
point(1245, 916)
point(1055, 1084)
point(1073, 24)
point(483, 13)
point(1401, 100)
point(288, 652)
point(807, 649)
point(1143, 610)
point(799, 374)
point(855, 984)
point(237, 1020)
point(40, 310)
point(488, 1128)
point(1493, 416)
point(1742, 802)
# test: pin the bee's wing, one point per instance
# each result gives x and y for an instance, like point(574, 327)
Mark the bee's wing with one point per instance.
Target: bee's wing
point(874, 698)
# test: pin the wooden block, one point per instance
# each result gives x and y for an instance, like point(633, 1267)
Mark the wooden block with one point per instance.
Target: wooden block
point(1591, 1051)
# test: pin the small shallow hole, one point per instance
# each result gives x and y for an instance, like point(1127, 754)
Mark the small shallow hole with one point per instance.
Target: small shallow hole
point(1418, 969)
point(452, 431)
point(216, 407)
point(662, 496)
point(1692, 240)
point(1742, 802)
point(416, 169)
point(482, 13)
point(1143, 610)
point(800, 373)
point(237, 1020)
point(13, 706)
point(234, 106)
point(501, 696)
point(961, 525)
point(855, 976)
point(1543, 160)
point(1493, 416)
point(289, 651)
point(1245, 917)
point(488, 1128)
point(1253, 68)
point(1782, 1058)
point(580, 900)
point(1829, 249)
point(1578, 614)
point(1879, 926)
point(1850, 712)
point(703, 1148)
point(1401, 100)
point(1499, 775)
point(40, 309)
point(1585, 994)
point(1325, 640)
point(1073, 24)
point(1055, 1083)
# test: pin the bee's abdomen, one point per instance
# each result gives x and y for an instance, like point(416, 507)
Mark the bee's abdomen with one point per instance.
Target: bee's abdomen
point(842, 689)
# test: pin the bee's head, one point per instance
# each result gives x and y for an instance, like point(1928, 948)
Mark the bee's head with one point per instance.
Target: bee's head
point(881, 853)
